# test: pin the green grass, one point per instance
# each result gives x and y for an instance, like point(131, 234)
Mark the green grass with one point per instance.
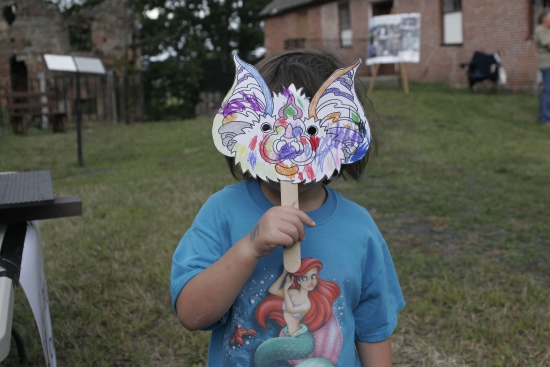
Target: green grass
point(459, 189)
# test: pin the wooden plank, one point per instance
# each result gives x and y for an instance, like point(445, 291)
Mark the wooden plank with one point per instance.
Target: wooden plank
point(65, 206)
point(32, 113)
point(29, 105)
point(291, 255)
point(405, 77)
point(51, 115)
point(27, 94)
point(373, 78)
point(21, 104)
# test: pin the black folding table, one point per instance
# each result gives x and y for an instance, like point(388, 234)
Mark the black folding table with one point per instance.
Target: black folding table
point(25, 198)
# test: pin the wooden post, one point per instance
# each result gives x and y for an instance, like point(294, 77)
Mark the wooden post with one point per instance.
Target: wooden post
point(373, 78)
point(404, 77)
point(291, 255)
point(78, 122)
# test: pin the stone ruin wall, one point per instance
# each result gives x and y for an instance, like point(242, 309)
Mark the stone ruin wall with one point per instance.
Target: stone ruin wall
point(115, 34)
point(39, 27)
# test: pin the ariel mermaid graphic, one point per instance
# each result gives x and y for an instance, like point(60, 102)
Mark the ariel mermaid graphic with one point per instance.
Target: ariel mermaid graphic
point(301, 303)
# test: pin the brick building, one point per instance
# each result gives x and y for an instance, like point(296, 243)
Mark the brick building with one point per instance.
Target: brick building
point(108, 30)
point(451, 30)
point(30, 28)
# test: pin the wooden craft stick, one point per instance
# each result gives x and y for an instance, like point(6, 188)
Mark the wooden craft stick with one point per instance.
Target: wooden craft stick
point(291, 255)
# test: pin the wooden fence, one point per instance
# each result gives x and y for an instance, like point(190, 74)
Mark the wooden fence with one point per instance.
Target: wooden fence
point(103, 97)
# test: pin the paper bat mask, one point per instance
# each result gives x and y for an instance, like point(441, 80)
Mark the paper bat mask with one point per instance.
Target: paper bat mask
point(287, 137)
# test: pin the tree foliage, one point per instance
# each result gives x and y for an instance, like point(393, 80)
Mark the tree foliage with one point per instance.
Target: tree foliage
point(202, 28)
point(188, 47)
point(196, 39)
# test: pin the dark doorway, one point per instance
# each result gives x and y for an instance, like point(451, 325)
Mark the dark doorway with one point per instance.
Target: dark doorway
point(9, 13)
point(384, 8)
point(18, 75)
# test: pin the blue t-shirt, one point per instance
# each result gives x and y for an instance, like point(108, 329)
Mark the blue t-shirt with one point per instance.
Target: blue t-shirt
point(355, 261)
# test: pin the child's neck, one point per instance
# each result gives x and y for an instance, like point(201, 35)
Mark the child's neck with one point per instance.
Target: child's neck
point(311, 196)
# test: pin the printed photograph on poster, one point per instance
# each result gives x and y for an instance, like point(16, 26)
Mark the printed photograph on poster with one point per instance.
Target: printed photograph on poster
point(394, 38)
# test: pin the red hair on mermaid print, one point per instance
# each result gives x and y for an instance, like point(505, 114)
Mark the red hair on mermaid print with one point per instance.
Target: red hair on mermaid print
point(321, 298)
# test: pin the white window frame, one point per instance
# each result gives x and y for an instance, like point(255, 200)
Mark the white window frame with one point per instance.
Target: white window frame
point(452, 21)
point(346, 34)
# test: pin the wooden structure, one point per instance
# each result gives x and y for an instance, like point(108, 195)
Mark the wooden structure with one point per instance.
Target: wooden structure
point(32, 105)
point(404, 77)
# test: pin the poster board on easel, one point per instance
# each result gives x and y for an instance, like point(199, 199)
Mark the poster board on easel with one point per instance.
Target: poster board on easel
point(393, 39)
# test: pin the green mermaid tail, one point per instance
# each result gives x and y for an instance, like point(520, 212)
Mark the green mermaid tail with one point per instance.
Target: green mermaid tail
point(298, 346)
point(315, 362)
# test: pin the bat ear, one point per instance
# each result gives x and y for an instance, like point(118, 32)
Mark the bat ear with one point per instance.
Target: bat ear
point(247, 100)
point(338, 108)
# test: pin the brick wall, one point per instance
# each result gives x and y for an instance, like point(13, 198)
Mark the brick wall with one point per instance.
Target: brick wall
point(277, 30)
point(114, 28)
point(280, 28)
point(489, 26)
point(5, 49)
point(39, 28)
point(323, 30)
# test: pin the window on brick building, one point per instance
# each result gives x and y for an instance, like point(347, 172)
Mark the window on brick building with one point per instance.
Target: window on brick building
point(346, 35)
point(535, 6)
point(452, 22)
point(294, 43)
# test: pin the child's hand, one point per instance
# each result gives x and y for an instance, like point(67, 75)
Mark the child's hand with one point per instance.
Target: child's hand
point(280, 225)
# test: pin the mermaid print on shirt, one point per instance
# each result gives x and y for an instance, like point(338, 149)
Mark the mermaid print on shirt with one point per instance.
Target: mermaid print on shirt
point(294, 325)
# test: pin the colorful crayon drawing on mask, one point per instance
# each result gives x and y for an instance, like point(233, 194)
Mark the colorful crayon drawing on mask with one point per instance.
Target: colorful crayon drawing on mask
point(287, 137)
point(301, 303)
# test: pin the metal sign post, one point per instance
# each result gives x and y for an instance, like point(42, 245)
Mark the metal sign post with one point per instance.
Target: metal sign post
point(78, 121)
point(77, 65)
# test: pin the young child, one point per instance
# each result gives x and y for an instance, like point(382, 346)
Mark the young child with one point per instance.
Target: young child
point(340, 308)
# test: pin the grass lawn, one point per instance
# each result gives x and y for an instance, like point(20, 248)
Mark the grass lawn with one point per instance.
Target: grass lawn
point(460, 189)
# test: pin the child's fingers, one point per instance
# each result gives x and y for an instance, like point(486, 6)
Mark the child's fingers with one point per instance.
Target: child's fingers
point(278, 232)
point(285, 240)
point(293, 230)
point(293, 226)
point(281, 226)
point(304, 218)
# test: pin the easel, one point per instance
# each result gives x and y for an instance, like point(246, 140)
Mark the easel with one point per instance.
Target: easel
point(404, 77)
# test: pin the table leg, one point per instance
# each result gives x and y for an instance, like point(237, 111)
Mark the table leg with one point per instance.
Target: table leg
point(33, 282)
point(6, 307)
